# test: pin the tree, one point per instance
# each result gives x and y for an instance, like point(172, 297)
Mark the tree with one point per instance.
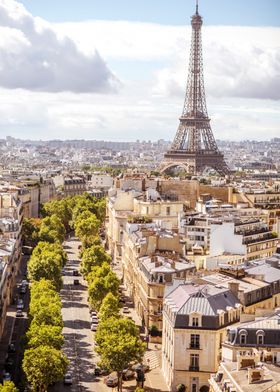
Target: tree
point(45, 335)
point(44, 288)
point(49, 247)
point(52, 229)
point(109, 307)
point(87, 230)
point(30, 231)
point(61, 208)
point(48, 266)
point(100, 286)
point(8, 386)
point(119, 344)
point(44, 311)
point(43, 365)
point(92, 257)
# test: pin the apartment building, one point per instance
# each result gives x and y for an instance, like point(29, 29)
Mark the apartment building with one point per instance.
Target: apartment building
point(250, 358)
point(195, 321)
point(249, 237)
point(151, 259)
point(11, 217)
point(136, 206)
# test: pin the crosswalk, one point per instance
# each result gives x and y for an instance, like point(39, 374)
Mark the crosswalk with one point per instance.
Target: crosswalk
point(151, 359)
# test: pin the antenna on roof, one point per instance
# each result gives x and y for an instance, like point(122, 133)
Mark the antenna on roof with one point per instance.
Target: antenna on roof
point(196, 11)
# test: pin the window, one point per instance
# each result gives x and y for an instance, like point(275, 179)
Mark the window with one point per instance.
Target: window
point(195, 321)
point(243, 338)
point(195, 341)
point(167, 210)
point(260, 339)
point(194, 362)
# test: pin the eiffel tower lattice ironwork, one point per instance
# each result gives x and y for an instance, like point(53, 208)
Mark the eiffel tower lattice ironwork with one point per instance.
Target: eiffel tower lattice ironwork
point(194, 147)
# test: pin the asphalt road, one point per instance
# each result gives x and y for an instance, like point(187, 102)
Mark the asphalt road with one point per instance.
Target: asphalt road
point(79, 339)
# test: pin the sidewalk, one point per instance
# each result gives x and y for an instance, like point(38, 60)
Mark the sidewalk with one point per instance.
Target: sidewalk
point(152, 357)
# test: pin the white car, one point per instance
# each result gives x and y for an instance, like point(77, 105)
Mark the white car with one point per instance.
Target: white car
point(93, 327)
point(68, 380)
point(126, 309)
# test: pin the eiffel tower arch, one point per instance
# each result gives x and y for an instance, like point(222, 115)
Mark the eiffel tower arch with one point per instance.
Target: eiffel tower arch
point(194, 147)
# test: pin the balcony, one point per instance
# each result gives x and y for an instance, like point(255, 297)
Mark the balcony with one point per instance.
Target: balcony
point(195, 346)
point(194, 368)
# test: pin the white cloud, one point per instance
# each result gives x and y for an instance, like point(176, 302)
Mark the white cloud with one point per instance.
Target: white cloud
point(33, 57)
point(152, 59)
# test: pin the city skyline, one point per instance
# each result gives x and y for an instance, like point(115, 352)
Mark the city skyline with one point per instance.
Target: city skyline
point(133, 87)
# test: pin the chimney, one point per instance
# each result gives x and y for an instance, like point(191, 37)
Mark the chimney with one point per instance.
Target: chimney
point(234, 287)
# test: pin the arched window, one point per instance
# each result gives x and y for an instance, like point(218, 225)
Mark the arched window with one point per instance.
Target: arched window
point(243, 336)
point(260, 337)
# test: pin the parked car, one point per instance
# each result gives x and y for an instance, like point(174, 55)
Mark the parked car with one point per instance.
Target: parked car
point(9, 363)
point(141, 366)
point(68, 380)
point(76, 282)
point(93, 327)
point(7, 377)
point(24, 282)
point(19, 313)
point(112, 380)
point(93, 313)
point(11, 348)
point(128, 374)
point(76, 273)
point(94, 319)
point(63, 271)
point(23, 289)
point(126, 309)
point(20, 304)
point(100, 371)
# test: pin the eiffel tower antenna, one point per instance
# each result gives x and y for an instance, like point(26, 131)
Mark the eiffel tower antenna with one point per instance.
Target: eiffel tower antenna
point(194, 146)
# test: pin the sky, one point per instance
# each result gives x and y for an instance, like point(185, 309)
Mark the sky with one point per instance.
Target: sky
point(117, 70)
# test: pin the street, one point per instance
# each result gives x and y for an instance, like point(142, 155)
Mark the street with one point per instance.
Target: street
point(79, 343)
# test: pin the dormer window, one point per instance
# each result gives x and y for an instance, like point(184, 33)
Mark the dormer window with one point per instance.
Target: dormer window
point(243, 336)
point(195, 321)
point(260, 337)
point(160, 279)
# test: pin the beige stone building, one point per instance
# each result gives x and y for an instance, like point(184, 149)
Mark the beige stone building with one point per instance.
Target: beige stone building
point(195, 320)
point(250, 358)
point(11, 216)
point(136, 206)
point(151, 259)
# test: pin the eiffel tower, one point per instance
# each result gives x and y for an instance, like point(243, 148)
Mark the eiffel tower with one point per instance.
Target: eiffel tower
point(194, 147)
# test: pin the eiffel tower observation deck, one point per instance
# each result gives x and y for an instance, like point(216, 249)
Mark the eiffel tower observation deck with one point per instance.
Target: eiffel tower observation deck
point(194, 147)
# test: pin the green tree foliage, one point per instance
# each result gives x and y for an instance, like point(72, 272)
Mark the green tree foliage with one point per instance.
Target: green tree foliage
point(52, 229)
point(30, 231)
point(45, 335)
point(109, 307)
point(87, 230)
point(92, 257)
point(8, 386)
point(61, 208)
point(45, 312)
point(45, 304)
point(43, 287)
point(46, 265)
point(119, 344)
point(42, 366)
point(100, 285)
point(57, 248)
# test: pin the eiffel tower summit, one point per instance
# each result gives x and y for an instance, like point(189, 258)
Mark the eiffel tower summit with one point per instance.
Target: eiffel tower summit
point(194, 147)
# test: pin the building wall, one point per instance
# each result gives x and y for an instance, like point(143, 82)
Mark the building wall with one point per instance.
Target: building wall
point(223, 239)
